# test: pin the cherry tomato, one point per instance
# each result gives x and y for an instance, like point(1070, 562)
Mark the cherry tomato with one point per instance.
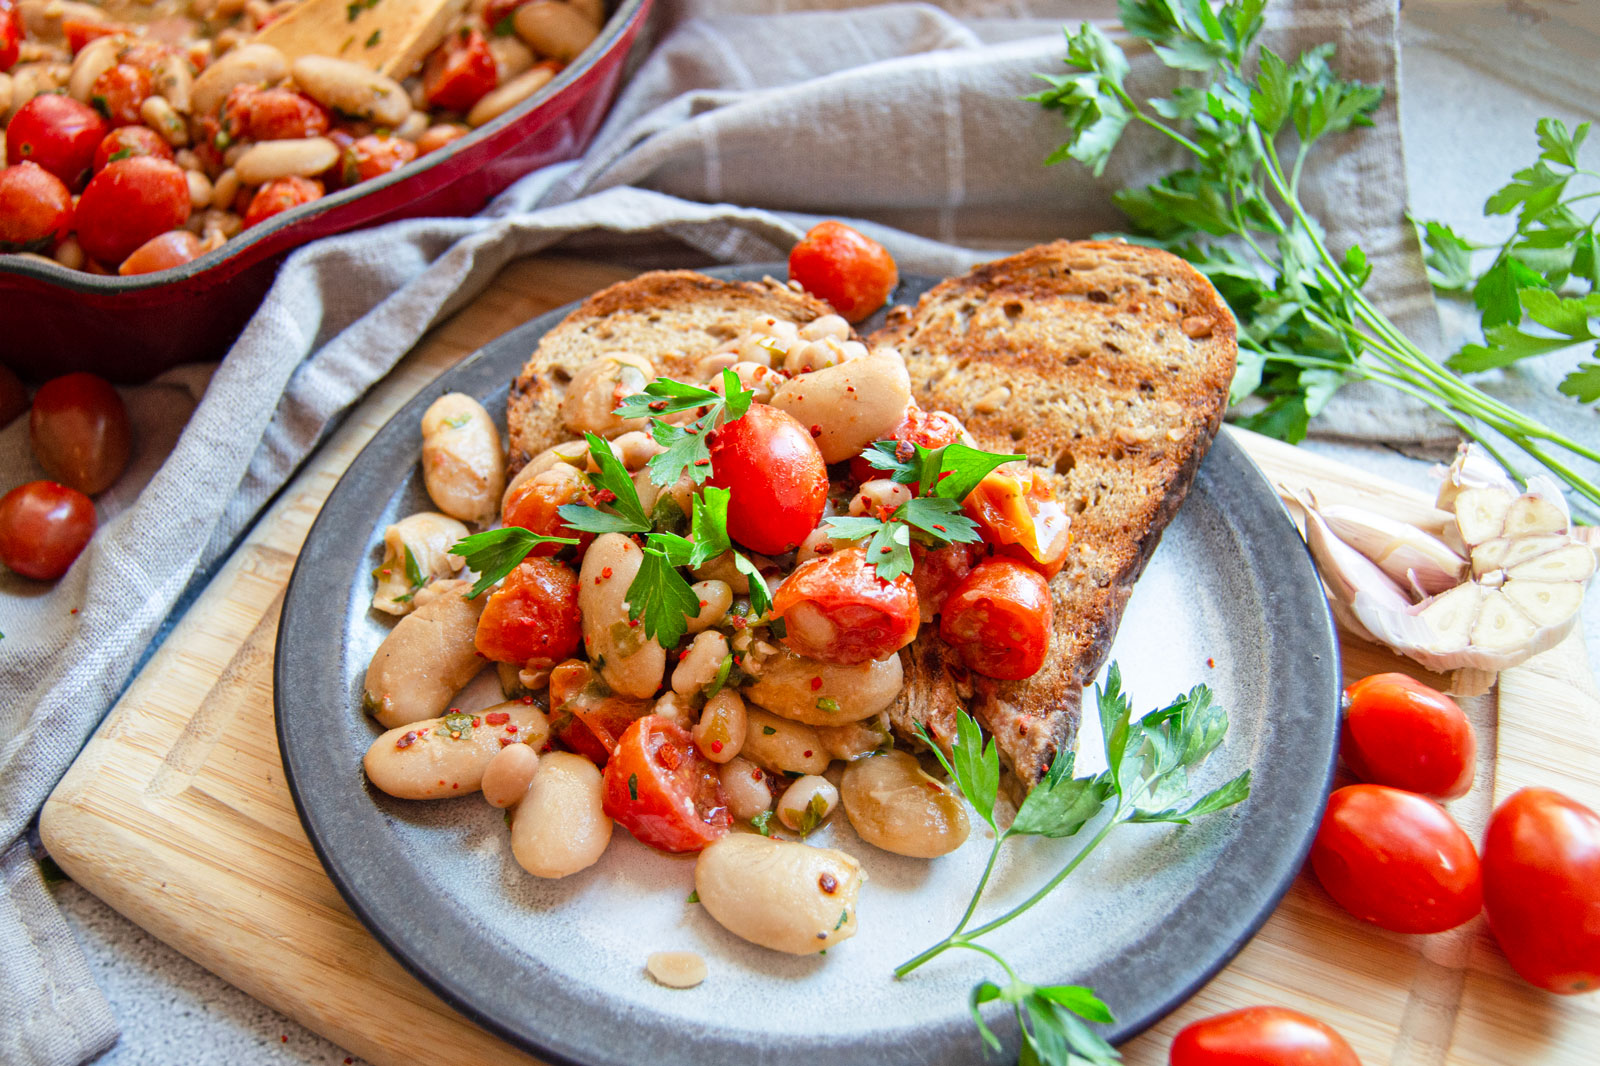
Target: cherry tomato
point(145, 52)
point(43, 527)
point(778, 481)
point(374, 155)
point(129, 202)
point(278, 196)
point(999, 617)
point(1397, 860)
point(497, 11)
point(11, 34)
point(662, 790)
point(80, 32)
point(127, 141)
point(437, 136)
point(532, 619)
point(1017, 512)
point(13, 396)
point(1541, 888)
point(79, 431)
point(836, 609)
point(58, 133)
point(273, 114)
point(845, 267)
point(585, 716)
point(35, 209)
point(458, 74)
point(119, 91)
point(1260, 1036)
point(938, 571)
point(931, 429)
point(162, 252)
point(1400, 732)
point(535, 506)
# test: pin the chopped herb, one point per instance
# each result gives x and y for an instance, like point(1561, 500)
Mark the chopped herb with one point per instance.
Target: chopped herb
point(694, 897)
point(455, 421)
point(762, 823)
point(353, 10)
point(505, 27)
point(767, 730)
point(844, 916)
point(494, 553)
point(98, 102)
point(372, 41)
point(120, 153)
point(413, 570)
point(222, 140)
point(667, 517)
point(723, 670)
point(633, 786)
point(951, 472)
point(659, 598)
point(779, 628)
point(814, 814)
point(458, 722)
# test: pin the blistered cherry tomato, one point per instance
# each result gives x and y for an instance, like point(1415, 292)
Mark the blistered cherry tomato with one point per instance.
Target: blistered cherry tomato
point(1261, 1036)
point(937, 572)
point(1541, 889)
point(79, 431)
point(778, 481)
point(931, 429)
point(535, 506)
point(1017, 512)
point(162, 252)
point(11, 34)
point(845, 267)
point(127, 141)
point(662, 790)
point(129, 202)
point(43, 527)
point(1399, 732)
point(437, 136)
point(1397, 860)
point(80, 32)
point(837, 609)
point(58, 133)
point(585, 716)
point(13, 396)
point(376, 154)
point(273, 114)
point(35, 209)
point(118, 92)
point(532, 619)
point(280, 195)
point(459, 72)
point(999, 617)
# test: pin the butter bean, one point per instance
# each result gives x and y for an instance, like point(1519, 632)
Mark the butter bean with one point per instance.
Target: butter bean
point(498, 101)
point(200, 189)
point(781, 895)
point(825, 694)
point(297, 157)
point(425, 539)
point(158, 114)
point(427, 657)
point(352, 89)
point(892, 804)
point(852, 404)
point(428, 760)
point(558, 827)
point(597, 388)
point(554, 29)
point(720, 734)
point(463, 465)
point(781, 745)
point(225, 189)
point(744, 785)
point(94, 59)
point(508, 775)
point(633, 666)
point(248, 64)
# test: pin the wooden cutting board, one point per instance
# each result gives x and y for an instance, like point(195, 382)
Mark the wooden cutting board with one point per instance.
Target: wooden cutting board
point(176, 813)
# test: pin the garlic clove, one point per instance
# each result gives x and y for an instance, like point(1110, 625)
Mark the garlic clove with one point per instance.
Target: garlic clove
point(1569, 563)
point(1491, 555)
point(1346, 570)
point(1548, 603)
point(1472, 469)
point(1530, 516)
point(1450, 617)
point(1481, 513)
point(1409, 556)
point(1505, 552)
point(1500, 627)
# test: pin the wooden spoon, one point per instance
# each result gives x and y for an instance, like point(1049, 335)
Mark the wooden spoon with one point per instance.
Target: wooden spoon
point(387, 36)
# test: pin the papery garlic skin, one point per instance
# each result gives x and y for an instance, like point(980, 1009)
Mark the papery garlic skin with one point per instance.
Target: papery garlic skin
point(1410, 557)
point(1472, 469)
point(429, 535)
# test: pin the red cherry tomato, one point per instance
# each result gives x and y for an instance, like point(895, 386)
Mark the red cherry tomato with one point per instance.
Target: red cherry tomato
point(532, 619)
point(1017, 512)
point(80, 32)
point(1397, 860)
point(931, 429)
point(662, 790)
point(585, 716)
point(374, 155)
point(1541, 889)
point(497, 11)
point(35, 209)
point(11, 34)
point(79, 431)
point(280, 195)
point(58, 133)
point(118, 92)
point(778, 481)
point(1260, 1036)
point(938, 571)
point(437, 136)
point(845, 267)
point(460, 72)
point(1400, 732)
point(162, 252)
point(1000, 618)
point(836, 609)
point(13, 396)
point(129, 202)
point(43, 527)
point(127, 141)
point(273, 114)
point(535, 504)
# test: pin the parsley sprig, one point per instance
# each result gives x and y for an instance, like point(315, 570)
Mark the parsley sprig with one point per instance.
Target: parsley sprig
point(941, 479)
point(1306, 328)
point(687, 447)
point(1148, 762)
point(494, 553)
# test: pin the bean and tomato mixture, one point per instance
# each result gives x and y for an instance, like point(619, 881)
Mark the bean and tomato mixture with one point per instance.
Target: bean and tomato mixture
point(139, 136)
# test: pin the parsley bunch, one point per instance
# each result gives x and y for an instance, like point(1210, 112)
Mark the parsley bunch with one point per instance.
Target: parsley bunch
point(1148, 761)
point(687, 447)
point(1305, 326)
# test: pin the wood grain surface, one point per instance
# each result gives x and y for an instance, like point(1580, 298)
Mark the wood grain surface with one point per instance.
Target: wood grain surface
point(176, 813)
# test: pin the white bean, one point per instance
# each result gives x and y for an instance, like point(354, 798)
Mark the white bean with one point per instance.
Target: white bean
point(852, 404)
point(225, 189)
point(558, 827)
point(497, 102)
point(414, 126)
point(508, 775)
point(351, 88)
point(293, 157)
point(877, 495)
point(892, 804)
point(631, 665)
point(827, 326)
point(723, 726)
point(448, 756)
point(597, 389)
point(159, 116)
point(427, 657)
point(32, 79)
point(674, 708)
point(826, 694)
point(806, 804)
point(592, 10)
point(172, 79)
point(715, 598)
point(856, 740)
point(249, 64)
point(782, 895)
point(698, 668)
point(511, 57)
point(567, 453)
point(94, 59)
point(69, 253)
point(821, 354)
point(782, 745)
point(744, 786)
point(420, 543)
point(554, 29)
point(813, 545)
point(5, 93)
point(634, 448)
point(463, 465)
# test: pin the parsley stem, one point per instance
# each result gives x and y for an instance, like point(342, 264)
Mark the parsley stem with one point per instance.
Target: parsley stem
point(1156, 124)
point(983, 882)
point(995, 955)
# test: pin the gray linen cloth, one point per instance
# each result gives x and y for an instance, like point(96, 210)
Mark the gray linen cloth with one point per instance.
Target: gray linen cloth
point(906, 116)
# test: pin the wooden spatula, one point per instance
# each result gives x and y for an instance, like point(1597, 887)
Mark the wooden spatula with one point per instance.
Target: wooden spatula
point(388, 36)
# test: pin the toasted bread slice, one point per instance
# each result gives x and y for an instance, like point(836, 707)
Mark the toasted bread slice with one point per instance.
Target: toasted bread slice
point(673, 318)
point(1108, 364)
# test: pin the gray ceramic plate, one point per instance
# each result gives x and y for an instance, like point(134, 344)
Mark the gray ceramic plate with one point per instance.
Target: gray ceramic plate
point(557, 967)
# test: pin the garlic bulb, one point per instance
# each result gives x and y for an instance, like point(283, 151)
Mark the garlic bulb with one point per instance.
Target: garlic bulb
point(416, 550)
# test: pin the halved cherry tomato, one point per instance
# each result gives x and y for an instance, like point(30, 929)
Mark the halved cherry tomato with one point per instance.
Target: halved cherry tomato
point(79, 432)
point(58, 133)
point(585, 716)
point(460, 72)
point(376, 154)
point(43, 528)
point(836, 609)
point(532, 619)
point(1541, 889)
point(11, 33)
point(35, 209)
point(662, 790)
point(127, 141)
point(280, 195)
point(13, 395)
point(129, 202)
point(162, 252)
point(535, 506)
point(931, 429)
point(779, 483)
point(845, 267)
point(273, 114)
point(1000, 618)
point(1399, 732)
point(118, 92)
point(1397, 860)
point(1017, 512)
point(1261, 1036)
point(937, 572)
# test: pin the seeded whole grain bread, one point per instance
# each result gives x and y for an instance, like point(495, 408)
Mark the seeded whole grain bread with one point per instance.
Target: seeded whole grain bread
point(1108, 364)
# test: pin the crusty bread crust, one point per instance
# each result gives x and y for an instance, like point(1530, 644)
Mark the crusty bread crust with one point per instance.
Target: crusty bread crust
point(1108, 364)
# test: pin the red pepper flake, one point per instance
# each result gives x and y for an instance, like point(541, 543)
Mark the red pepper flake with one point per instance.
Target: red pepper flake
point(816, 431)
point(597, 581)
point(849, 388)
point(512, 728)
point(605, 573)
point(716, 747)
point(945, 473)
point(455, 784)
point(527, 701)
point(703, 603)
point(506, 742)
point(816, 683)
point(904, 450)
point(885, 551)
point(755, 775)
point(422, 733)
point(441, 782)
point(453, 710)
point(74, 611)
point(806, 754)
point(632, 623)
point(657, 405)
point(496, 718)
point(702, 462)
point(940, 528)
point(825, 548)
point(682, 655)
point(828, 883)
point(1211, 663)
point(284, 1039)
point(476, 722)
point(406, 741)
point(605, 496)
point(738, 623)
point(386, 571)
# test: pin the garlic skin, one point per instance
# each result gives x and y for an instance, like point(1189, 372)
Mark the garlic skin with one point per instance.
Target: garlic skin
point(429, 537)
point(1412, 559)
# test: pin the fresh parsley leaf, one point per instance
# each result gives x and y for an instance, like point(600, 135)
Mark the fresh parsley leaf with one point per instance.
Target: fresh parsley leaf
point(950, 472)
point(890, 549)
point(709, 525)
point(659, 598)
point(859, 527)
point(1061, 804)
point(939, 517)
point(618, 491)
point(414, 572)
point(687, 446)
point(973, 765)
point(816, 810)
point(494, 553)
point(1449, 257)
point(724, 670)
point(633, 786)
point(694, 897)
point(762, 823)
point(1233, 792)
point(1583, 384)
point(457, 724)
point(667, 517)
point(760, 596)
point(664, 396)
